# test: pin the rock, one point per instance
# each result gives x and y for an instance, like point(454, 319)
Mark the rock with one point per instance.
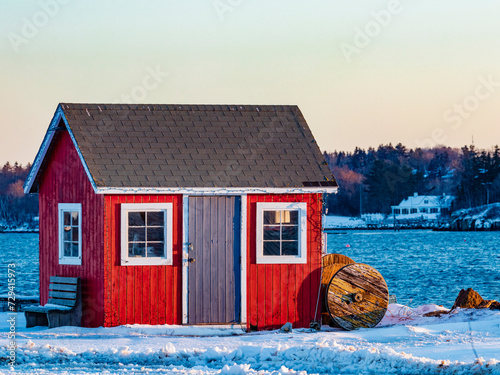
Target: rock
point(436, 313)
point(486, 304)
point(495, 305)
point(287, 328)
point(468, 299)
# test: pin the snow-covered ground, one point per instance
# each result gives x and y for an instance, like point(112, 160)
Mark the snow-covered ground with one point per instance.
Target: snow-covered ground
point(405, 342)
point(347, 222)
point(334, 222)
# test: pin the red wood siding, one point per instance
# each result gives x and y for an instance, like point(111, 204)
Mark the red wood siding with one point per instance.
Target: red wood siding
point(65, 181)
point(280, 293)
point(141, 294)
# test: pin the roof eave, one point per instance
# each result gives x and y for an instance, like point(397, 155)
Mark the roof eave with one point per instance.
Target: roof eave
point(216, 191)
point(42, 152)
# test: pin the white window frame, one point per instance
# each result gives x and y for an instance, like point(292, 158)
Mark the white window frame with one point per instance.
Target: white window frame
point(301, 258)
point(69, 207)
point(153, 261)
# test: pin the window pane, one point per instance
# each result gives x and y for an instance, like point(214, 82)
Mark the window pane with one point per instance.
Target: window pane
point(155, 234)
point(155, 219)
point(271, 217)
point(272, 233)
point(74, 236)
point(271, 248)
point(156, 249)
point(294, 217)
point(74, 218)
point(67, 249)
point(290, 248)
point(74, 249)
point(67, 218)
point(137, 249)
point(137, 219)
point(137, 234)
point(290, 233)
point(67, 233)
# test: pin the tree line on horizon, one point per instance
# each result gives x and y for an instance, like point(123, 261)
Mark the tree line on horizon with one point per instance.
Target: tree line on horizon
point(370, 181)
point(16, 208)
point(373, 180)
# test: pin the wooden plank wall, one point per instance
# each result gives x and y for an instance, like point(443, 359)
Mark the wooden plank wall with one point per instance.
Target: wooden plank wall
point(280, 293)
point(141, 294)
point(64, 181)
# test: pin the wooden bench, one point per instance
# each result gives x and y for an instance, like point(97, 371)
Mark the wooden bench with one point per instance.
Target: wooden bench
point(64, 307)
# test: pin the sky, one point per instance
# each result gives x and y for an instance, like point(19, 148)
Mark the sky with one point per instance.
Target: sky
point(363, 73)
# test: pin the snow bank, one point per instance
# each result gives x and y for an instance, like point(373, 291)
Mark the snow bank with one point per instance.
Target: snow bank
point(406, 342)
point(339, 222)
point(326, 356)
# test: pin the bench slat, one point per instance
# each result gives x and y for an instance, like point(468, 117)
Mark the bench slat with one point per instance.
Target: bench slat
point(67, 287)
point(66, 295)
point(43, 309)
point(64, 280)
point(64, 302)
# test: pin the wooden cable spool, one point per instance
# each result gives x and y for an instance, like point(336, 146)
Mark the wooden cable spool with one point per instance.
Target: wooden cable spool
point(356, 297)
point(331, 263)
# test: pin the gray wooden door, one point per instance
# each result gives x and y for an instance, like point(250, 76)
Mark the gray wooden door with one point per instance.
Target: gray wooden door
point(214, 252)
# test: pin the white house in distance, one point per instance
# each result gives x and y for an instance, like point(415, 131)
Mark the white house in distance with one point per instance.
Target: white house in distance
point(425, 207)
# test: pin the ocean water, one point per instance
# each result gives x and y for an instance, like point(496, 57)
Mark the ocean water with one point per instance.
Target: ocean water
point(20, 249)
point(423, 267)
point(419, 266)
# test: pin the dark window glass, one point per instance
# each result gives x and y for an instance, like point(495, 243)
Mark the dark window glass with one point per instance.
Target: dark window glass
point(67, 218)
point(271, 217)
point(136, 249)
point(155, 219)
point(155, 234)
point(147, 231)
point(137, 234)
point(281, 232)
point(290, 248)
point(271, 233)
point(290, 217)
point(290, 233)
point(271, 248)
point(136, 219)
point(67, 233)
point(67, 249)
point(156, 249)
point(74, 247)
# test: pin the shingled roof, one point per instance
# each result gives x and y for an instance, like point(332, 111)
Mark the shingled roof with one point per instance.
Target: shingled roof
point(180, 146)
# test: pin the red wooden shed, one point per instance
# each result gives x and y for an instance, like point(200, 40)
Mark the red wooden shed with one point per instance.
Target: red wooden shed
point(177, 214)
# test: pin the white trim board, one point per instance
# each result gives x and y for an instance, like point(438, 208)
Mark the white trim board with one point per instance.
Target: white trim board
point(167, 259)
point(301, 258)
point(42, 151)
point(61, 209)
point(47, 141)
point(215, 191)
point(243, 263)
point(185, 257)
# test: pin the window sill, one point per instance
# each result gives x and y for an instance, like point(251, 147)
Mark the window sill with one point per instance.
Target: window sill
point(283, 259)
point(146, 262)
point(70, 261)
